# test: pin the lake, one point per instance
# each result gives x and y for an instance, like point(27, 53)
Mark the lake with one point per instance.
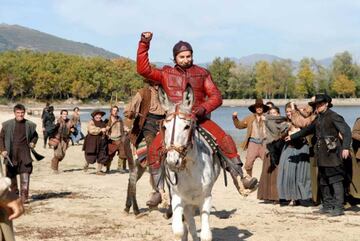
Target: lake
point(223, 117)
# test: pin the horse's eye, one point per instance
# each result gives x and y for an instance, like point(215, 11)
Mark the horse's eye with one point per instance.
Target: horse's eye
point(187, 127)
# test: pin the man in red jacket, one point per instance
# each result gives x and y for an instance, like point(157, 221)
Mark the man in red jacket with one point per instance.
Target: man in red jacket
point(207, 98)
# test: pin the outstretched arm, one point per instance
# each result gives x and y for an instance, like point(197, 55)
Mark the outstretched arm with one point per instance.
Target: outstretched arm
point(142, 61)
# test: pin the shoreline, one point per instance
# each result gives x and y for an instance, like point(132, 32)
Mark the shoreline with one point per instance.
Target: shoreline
point(36, 107)
point(282, 102)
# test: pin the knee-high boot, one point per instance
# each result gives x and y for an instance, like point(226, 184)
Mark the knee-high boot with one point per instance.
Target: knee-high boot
point(14, 186)
point(338, 200)
point(108, 165)
point(157, 183)
point(55, 164)
point(238, 176)
point(121, 165)
point(24, 187)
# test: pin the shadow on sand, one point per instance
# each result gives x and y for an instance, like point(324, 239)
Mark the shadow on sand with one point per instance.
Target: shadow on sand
point(230, 233)
point(49, 195)
point(224, 214)
point(77, 169)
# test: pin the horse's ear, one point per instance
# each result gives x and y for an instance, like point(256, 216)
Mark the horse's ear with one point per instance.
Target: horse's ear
point(188, 98)
point(165, 103)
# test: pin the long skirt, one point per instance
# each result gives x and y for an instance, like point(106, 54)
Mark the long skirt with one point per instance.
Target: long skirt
point(267, 187)
point(78, 135)
point(294, 181)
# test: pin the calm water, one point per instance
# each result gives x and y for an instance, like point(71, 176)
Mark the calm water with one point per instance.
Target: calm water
point(222, 116)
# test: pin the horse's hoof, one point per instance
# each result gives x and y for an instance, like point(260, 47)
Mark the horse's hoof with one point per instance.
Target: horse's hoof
point(127, 210)
point(168, 214)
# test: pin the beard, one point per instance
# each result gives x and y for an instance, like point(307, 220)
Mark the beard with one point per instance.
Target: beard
point(186, 65)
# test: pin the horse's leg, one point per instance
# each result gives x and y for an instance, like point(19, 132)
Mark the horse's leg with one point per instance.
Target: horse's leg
point(169, 213)
point(131, 190)
point(205, 234)
point(139, 171)
point(189, 212)
point(177, 222)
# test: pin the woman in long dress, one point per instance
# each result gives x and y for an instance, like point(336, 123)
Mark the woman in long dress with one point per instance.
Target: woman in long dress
point(294, 181)
point(77, 135)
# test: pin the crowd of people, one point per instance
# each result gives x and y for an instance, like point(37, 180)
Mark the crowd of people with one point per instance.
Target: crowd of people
point(305, 154)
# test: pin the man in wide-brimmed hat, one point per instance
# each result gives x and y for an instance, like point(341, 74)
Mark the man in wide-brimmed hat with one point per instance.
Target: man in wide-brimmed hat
point(95, 145)
point(254, 141)
point(333, 139)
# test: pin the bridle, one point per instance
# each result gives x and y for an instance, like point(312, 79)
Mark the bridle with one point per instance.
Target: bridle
point(183, 149)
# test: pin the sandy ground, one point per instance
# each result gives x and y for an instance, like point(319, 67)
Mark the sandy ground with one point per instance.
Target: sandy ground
point(74, 205)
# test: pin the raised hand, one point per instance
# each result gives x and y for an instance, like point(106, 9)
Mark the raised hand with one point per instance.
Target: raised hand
point(146, 37)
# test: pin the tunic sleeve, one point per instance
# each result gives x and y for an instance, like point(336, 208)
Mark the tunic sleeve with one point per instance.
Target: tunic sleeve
point(92, 129)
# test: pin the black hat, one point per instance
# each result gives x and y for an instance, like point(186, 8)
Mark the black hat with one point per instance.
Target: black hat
point(97, 111)
point(258, 103)
point(181, 46)
point(321, 98)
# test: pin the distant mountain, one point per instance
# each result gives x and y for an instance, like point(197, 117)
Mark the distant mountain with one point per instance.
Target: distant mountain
point(252, 59)
point(162, 64)
point(325, 62)
point(15, 37)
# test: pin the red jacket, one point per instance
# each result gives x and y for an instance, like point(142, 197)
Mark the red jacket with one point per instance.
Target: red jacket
point(175, 79)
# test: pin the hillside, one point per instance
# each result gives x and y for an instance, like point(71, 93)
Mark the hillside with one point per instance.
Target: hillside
point(15, 37)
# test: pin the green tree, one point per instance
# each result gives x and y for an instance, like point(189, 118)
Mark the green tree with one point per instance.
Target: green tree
point(284, 80)
point(305, 79)
point(265, 85)
point(241, 82)
point(220, 72)
point(343, 86)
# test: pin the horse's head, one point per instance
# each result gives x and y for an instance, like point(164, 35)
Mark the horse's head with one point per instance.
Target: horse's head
point(177, 128)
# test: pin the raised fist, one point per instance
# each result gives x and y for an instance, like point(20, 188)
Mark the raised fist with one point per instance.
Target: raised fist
point(146, 37)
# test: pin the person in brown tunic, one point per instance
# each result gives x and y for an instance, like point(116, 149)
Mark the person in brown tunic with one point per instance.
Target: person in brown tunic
point(147, 113)
point(254, 141)
point(118, 140)
point(17, 136)
point(95, 145)
point(63, 130)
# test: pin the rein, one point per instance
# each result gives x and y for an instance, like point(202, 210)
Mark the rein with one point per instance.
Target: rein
point(182, 150)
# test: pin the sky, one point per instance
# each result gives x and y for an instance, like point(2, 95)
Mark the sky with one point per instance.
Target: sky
point(228, 28)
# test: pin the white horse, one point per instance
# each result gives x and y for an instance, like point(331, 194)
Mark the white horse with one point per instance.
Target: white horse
point(190, 167)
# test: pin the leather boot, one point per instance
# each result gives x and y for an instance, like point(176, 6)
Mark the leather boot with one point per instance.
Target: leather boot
point(121, 165)
point(108, 165)
point(86, 167)
point(338, 201)
point(55, 165)
point(156, 182)
point(98, 169)
point(124, 165)
point(24, 187)
point(247, 181)
point(14, 186)
point(327, 200)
